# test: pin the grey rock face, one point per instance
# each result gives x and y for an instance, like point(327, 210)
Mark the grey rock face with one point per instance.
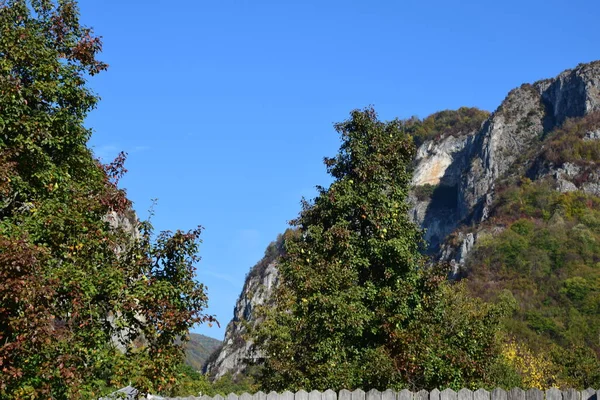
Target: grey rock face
point(512, 129)
point(128, 222)
point(440, 164)
point(525, 114)
point(573, 93)
point(593, 135)
point(236, 349)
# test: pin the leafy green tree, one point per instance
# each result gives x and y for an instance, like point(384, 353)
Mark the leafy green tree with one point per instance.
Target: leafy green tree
point(355, 306)
point(89, 299)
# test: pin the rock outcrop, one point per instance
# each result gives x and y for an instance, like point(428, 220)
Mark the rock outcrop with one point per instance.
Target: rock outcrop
point(262, 279)
point(438, 169)
point(455, 178)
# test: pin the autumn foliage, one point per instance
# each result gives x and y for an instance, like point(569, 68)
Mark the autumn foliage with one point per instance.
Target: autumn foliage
point(90, 299)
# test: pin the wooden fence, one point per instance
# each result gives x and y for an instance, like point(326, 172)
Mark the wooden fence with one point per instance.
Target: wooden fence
point(447, 394)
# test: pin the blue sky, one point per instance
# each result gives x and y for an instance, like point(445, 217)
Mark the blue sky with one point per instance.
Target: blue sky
point(226, 107)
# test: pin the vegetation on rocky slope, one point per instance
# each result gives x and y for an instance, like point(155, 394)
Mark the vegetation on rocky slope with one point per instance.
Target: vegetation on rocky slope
point(544, 246)
point(548, 256)
point(445, 123)
point(198, 349)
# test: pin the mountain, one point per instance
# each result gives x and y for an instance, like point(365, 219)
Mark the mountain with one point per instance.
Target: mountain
point(511, 200)
point(258, 288)
point(198, 349)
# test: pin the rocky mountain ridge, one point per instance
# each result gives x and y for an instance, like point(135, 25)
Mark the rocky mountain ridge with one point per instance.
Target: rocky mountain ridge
point(455, 182)
point(258, 288)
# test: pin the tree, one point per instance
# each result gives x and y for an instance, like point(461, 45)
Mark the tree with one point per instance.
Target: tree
point(356, 307)
point(89, 298)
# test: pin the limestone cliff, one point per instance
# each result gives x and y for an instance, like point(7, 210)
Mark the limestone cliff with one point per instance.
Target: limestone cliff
point(455, 179)
point(474, 163)
point(258, 288)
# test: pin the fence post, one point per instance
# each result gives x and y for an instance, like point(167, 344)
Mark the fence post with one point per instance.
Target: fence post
point(245, 396)
point(435, 395)
point(466, 394)
point(315, 395)
point(481, 394)
point(534, 394)
point(553, 394)
point(570, 394)
point(589, 394)
point(345, 394)
point(373, 394)
point(405, 394)
point(329, 395)
point(422, 395)
point(499, 394)
point(301, 395)
point(389, 394)
point(516, 394)
point(287, 395)
point(448, 394)
point(358, 394)
point(232, 396)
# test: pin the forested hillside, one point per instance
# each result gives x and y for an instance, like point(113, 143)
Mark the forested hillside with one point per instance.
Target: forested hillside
point(510, 201)
point(198, 349)
point(543, 245)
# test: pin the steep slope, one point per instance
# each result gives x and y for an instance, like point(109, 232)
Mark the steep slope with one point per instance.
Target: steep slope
point(260, 282)
point(466, 162)
point(198, 349)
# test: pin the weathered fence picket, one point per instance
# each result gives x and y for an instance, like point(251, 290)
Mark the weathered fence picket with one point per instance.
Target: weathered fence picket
point(259, 396)
point(373, 394)
point(465, 394)
point(498, 394)
point(481, 394)
point(553, 394)
point(534, 394)
point(314, 395)
point(516, 394)
point(570, 394)
point(405, 394)
point(358, 394)
point(388, 395)
point(448, 394)
point(589, 394)
point(329, 395)
point(345, 394)
point(422, 395)
point(301, 395)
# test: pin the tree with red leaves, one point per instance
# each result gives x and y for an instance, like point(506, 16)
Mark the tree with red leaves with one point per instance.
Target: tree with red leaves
point(90, 300)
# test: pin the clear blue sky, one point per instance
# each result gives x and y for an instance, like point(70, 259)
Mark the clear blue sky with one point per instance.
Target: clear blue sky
point(226, 107)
